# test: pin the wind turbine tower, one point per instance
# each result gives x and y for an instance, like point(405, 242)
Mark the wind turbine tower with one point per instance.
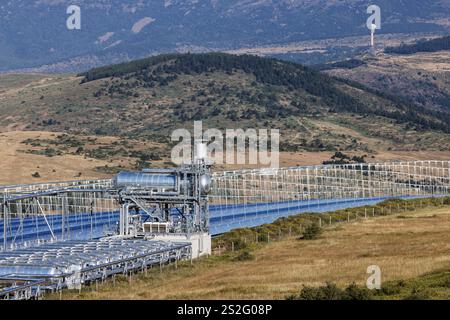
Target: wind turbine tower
point(373, 23)
point(373, 28)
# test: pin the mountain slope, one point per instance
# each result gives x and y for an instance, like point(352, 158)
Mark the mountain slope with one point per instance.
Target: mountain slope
point(335, 95)
point(147, 99)
point(422, 78)
point(119, 30)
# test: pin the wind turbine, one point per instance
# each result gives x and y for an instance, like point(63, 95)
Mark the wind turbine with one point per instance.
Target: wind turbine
point(373, 23)
point(373, 28)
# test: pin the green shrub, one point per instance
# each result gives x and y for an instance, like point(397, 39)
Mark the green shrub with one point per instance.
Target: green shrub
point(36, 175)
point(445, 283)
point(353, 292)
point(308, 293)
point(328, 292)
point(262, 237)
point(245, 255)
point(312, 231)
point(239, 244)
point(391, 288)
point(417, 294)
point(331, 292)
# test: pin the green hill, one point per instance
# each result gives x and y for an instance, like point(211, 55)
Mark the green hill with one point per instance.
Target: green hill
point(147, 99)
point(277, 76)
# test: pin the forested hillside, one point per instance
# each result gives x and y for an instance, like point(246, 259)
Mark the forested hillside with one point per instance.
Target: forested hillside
point(433, 45)
point(137, 105)
point(290, 77)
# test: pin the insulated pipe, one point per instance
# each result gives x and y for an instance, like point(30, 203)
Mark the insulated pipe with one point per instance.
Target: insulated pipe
point(124, 219)
point(145, 180)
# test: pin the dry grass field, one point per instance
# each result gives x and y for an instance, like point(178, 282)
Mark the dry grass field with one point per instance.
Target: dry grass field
point(404, 246)
point(17, 167)
point(18, 164)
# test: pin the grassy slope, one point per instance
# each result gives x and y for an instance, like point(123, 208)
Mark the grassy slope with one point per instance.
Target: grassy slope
point(431, 285)
point(421, 77)
point(407, 245)
point(138, 127)
point(50, 169)
point(223, 99)
point(55, 156)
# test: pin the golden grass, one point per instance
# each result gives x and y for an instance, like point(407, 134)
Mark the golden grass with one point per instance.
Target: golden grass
point(17, 167)
point(404, 247)
point(18, 164)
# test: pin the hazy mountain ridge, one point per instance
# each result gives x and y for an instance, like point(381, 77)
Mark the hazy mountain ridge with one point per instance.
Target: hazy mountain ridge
point(168, 26)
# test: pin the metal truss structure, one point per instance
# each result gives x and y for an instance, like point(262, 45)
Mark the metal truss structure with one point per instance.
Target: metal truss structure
point(73, 263)
point(59, 223)
point(244, 198)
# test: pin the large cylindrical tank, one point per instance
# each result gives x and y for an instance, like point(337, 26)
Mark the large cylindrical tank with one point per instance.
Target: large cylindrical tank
point(145, 180)
point(205, 183)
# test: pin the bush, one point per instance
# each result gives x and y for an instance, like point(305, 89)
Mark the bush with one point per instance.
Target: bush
point(262, 237)
point(353, 292)
point(331, 292)
point(308, 293)
point(417, 294)
point(245, 255)
point(391, 288)
point(445, 283)
point(312, 232)
point(36, 175)
point(328, 292)
point(239, 244)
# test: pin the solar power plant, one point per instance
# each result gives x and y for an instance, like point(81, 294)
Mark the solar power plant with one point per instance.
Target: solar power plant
point(70, 263)
point(62, 234)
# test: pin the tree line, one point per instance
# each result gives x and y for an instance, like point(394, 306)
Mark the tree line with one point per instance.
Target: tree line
point(433, 45)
